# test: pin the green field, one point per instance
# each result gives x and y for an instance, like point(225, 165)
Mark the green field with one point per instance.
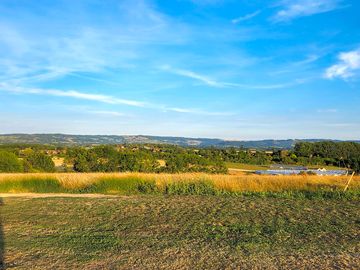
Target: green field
point(180, 232)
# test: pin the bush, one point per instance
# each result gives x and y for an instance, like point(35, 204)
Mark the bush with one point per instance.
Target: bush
point(41, 162)
point(33, 185)
point(9, 162)
point(123, 186)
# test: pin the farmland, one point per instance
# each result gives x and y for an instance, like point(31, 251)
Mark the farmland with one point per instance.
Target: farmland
point(164, 207)
point(180, 232)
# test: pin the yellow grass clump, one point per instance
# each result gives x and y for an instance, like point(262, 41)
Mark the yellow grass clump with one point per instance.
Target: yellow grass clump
point(231, 183)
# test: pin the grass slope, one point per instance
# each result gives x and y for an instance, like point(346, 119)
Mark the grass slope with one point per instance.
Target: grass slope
point(180, 232)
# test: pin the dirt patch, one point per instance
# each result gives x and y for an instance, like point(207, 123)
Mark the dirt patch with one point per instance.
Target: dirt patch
point(53, 195)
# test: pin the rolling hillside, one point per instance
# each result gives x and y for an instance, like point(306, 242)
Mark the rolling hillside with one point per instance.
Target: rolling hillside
point(64, 139)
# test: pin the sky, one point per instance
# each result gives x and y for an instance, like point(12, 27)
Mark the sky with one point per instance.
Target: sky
point(231, 69)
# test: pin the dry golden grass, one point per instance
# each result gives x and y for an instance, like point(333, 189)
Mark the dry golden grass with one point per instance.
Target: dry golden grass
point(58, 161)
point(238, 182)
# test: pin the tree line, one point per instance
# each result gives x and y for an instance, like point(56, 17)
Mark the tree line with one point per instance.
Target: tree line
point(171, 158)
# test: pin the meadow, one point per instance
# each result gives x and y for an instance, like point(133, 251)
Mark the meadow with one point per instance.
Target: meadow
point(178, 221)
point(177, 184)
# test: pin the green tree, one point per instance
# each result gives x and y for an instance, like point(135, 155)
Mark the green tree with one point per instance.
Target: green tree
point(9, 162)
point(41, 162)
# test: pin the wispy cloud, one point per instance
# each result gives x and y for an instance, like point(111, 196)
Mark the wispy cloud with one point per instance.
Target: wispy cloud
point(347, 66)
point(193, 75)
point(72, 94)
point(108, 100)
point(219, 84)
point(246, 17)
point(293, 9)
point(267, 86)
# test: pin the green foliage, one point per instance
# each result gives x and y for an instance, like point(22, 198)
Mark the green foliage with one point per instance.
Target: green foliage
point(40, 162)
point(32, 185)
point(9, 162)
point(123, 186)
point(354, 163)
point(329, 153)
point(141, 159)
point(152, 158)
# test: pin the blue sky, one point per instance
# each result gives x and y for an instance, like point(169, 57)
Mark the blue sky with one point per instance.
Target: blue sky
point(236, 69)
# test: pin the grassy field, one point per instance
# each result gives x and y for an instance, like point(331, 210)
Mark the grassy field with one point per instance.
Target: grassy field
point(196, 184)
point(180, 232)
point(179, 221)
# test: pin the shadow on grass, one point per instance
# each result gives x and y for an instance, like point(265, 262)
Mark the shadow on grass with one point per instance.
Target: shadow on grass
point(2, 240)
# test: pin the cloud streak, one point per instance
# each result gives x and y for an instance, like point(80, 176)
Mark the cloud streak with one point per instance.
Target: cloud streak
point(246, 17)
point(193, 75)
point(218, 84)
point(107, 99)
point(293, 9)
point(72, 94)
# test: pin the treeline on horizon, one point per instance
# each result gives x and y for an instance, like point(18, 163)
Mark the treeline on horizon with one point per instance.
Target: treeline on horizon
point(170, 158)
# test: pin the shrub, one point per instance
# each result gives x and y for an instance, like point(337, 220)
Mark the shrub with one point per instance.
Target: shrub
point(9, 162)
point(41, 162)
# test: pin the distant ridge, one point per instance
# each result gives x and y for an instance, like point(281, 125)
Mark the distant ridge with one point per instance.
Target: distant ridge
point(64, 139)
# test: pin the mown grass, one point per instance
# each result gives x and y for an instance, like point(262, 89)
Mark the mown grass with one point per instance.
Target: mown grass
point(180, 232)
point(182, 184)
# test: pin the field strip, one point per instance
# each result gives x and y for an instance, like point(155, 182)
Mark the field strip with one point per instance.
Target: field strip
point(54, 195)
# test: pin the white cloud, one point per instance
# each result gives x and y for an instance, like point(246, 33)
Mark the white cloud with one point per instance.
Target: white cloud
point(349, 63)
point(214, 83)
point(266, 86)
point(246, 17)
point(72, 94)
point(292, 9)
point(106, 99)
point(191, 74)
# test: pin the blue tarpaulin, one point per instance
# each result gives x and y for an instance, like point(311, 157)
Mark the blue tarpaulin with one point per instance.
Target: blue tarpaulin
point(290, 172)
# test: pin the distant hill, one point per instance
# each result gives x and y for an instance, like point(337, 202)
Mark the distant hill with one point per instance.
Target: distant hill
point(64, 139)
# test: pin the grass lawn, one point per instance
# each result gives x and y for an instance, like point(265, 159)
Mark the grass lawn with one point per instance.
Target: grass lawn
point(180, 232)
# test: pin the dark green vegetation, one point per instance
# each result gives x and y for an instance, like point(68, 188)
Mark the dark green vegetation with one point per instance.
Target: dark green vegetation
point(142, 159)
point(29, 161)
point(9, 162)
point(180, 232)
point(175, 159)
point(64, 139)
point(329, 153)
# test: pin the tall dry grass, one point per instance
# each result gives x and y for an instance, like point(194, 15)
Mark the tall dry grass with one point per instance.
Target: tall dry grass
point(231, 183)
